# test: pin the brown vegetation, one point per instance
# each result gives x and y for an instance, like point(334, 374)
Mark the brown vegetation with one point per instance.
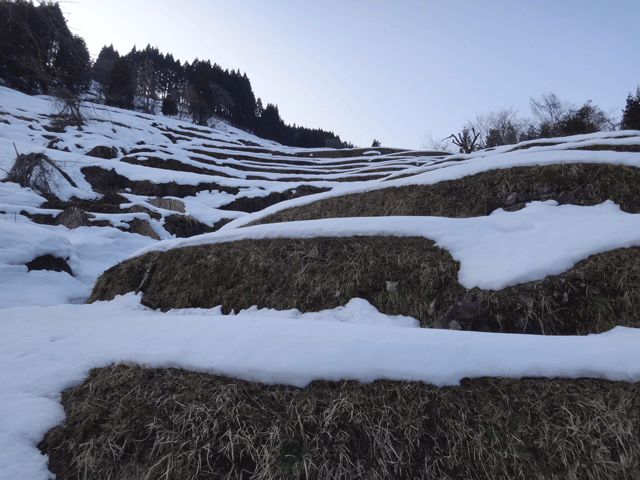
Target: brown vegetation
point(102, 180)
point(132, 422)
point(142, 227)
point(309, 274)
point(172, 204)
point(482, 193)
point(313, 274)
point(36, 170)
point(184, 226)
point(595, 295)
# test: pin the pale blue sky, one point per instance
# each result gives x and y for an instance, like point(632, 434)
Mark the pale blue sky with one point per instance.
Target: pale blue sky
point(389, 70)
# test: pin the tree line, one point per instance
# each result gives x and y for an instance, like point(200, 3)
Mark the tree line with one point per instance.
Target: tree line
point(551, 117)
point(39, 54)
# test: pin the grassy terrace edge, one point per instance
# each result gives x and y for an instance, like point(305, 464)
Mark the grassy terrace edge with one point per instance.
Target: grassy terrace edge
point(129, 422)
point(482, 193)
point(313, 274)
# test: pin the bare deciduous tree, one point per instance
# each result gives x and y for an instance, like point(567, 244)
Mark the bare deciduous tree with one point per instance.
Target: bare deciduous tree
point(549, 111)
point(498, 127)
point(432, 143)
point(465, 141)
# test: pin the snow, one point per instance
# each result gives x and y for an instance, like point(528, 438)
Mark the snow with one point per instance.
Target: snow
point(45, 350)
point(88, 251)
point(48, 340)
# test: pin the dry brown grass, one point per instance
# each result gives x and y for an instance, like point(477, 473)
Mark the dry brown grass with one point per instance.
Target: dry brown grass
point(255, 204)
point(612, 147)
point(102, 180)
point(73, 217)
point(137, 208)
point(184, 226)
point(482, 193)
point(130, 422)
point(170, 164)
point(142, 227)
point(359, 152)
point(309, 274)
point(168, 204)
point(313, 274)
point(595, 295)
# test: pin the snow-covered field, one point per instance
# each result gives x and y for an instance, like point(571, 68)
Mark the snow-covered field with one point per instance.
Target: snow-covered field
point(49, 339)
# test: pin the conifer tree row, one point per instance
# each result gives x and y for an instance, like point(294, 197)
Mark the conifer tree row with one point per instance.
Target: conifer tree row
point(39, 54)
point(200, 89)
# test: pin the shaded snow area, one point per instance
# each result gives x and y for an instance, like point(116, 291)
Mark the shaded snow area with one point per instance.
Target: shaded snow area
point(49, 339)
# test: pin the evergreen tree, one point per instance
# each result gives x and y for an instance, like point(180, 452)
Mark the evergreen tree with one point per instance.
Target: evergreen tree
point(38, 52)
point(493, 139)
point(146, 84)
point(201, 96)
point(72, 65)
point(147, 66)
point(259, 109)
point(121, 87)
point(101, 70)
point(631, 112)
point(587, 119)
point(271, 126)
point(169, 106)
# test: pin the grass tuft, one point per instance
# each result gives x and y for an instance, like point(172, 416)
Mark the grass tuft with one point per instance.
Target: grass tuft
point(168, 204)
point(142, 227)
point(73, 217)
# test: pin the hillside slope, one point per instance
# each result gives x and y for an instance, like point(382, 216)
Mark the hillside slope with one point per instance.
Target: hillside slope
point(298, 278)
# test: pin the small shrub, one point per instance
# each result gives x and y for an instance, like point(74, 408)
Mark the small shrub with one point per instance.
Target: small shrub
point(49, 262)
point(169, 106)
point(36, 171)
